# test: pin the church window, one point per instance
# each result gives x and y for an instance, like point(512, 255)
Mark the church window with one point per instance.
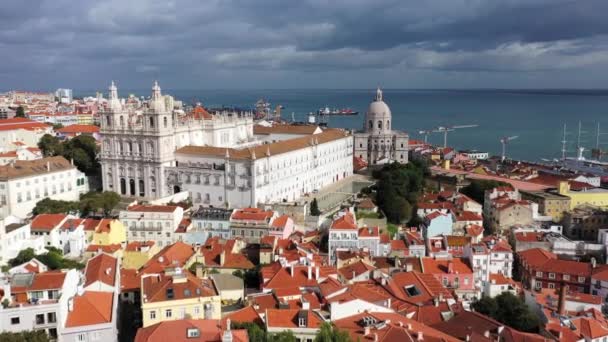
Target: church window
point(360, 145)
point(151, 122)
point(388, 124)
point(371, 125)
point(165, 121)
point(121, 147)
point(130, 147)
point(380, 124)
point(122, 121)
point(108, 120)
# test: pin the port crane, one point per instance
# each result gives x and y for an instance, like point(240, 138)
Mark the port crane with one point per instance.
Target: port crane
point(446, 129)
point(504, 141)
point(426, 134)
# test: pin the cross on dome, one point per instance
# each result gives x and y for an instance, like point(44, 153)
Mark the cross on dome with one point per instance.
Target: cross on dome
point(156, 90)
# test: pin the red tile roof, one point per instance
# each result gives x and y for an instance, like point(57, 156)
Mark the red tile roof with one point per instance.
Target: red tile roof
point(210, 330)
point(21, 123)
point(71, 129)
point(366, 232)
point(130, 280)
point(102, 268)
point(153, 208)
point(155, 287)
point(398, 245)
point(468, 216)
point(244, 315)
point(90, 224)
point(136, 246)
point(355, 269)
point(91, 308)
point(252, 214)
point(397, 328)
point(544, 261)
point(71, 223)
point(200, 113)
point(440, 266)
point(288, 318)
point(173, 255)
point(47, 222)
point(280, 222)
point(51, 280)
point(346, 221)
point(110, 249)
point(104, 226)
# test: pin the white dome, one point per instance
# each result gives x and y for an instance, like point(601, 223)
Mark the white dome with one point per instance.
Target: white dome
point(378, 116)
point(378, 109)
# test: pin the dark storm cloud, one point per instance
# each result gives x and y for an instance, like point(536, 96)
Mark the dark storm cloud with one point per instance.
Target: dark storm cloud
point(190, 42)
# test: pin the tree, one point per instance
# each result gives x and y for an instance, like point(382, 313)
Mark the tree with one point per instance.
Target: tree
point(25, 336)
point(24, 256)
point(50, 206)
point(486, 306)
point(477, 188)
point(50, 145)
point(99, 202)
point(509, 310)
point(327, 333)
point(20, 113)
point(283, 336)
point(57, 126)
point(314, 208)
point(255, 332)
point(398, 186)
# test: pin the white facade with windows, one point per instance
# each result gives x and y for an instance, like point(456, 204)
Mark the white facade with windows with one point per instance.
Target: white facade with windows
point(25, 182)
point(138, 145)
point(274, 172)
point(152, 223)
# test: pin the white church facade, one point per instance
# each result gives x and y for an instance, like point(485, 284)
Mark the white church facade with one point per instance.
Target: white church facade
point(159, 150)
point(377, 143)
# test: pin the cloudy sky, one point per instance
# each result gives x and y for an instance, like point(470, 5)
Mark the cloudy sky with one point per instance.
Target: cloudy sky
point(199, 44)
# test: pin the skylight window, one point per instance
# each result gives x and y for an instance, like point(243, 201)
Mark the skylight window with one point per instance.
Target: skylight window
point(412, 291)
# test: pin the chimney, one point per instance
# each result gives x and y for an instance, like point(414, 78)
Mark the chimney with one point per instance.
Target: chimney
point(222, 258)
point(71, 304)
point(420, 336)
point(562, 300)
point(375, 337)
point(593, 262)
point(291, 269)
point(436, 301)
point(309, 272)
point(199, 271)
point(48, 166)
point(366, 331)
point(450, 267)
point(383, 281)
point(317, 273)
point(440, 296)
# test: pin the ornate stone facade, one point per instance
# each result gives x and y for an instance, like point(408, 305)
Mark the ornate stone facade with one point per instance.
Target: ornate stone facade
point(377, 143)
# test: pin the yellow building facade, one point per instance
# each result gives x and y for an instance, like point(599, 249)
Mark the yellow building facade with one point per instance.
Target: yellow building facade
point(594, 197)
point(137, 253)
point(109, 232)
point(179, 297)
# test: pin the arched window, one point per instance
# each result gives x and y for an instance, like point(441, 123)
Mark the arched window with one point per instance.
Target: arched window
point(129, 147)
point(120, 147)
point(151, 122)
point(141, 188)
point(165, 121)
point(388, 124)
point(108, 120)
point(379, 124)
point(122, 121)
point(371, 124)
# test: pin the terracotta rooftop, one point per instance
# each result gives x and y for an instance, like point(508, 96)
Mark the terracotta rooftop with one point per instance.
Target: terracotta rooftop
point(166, 288)
point(153, 208)
point(288, 318)
point(252, 214)
point(21, 123)
point(260, 151)
point(47, 222)
point(91, 308)
point(346, 221)
point(51, 280)
point(210, 330)
point(102, 268)
point(72, 129)
point(28, 168)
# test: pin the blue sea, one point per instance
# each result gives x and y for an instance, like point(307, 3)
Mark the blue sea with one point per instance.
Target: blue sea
point(535, 116)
